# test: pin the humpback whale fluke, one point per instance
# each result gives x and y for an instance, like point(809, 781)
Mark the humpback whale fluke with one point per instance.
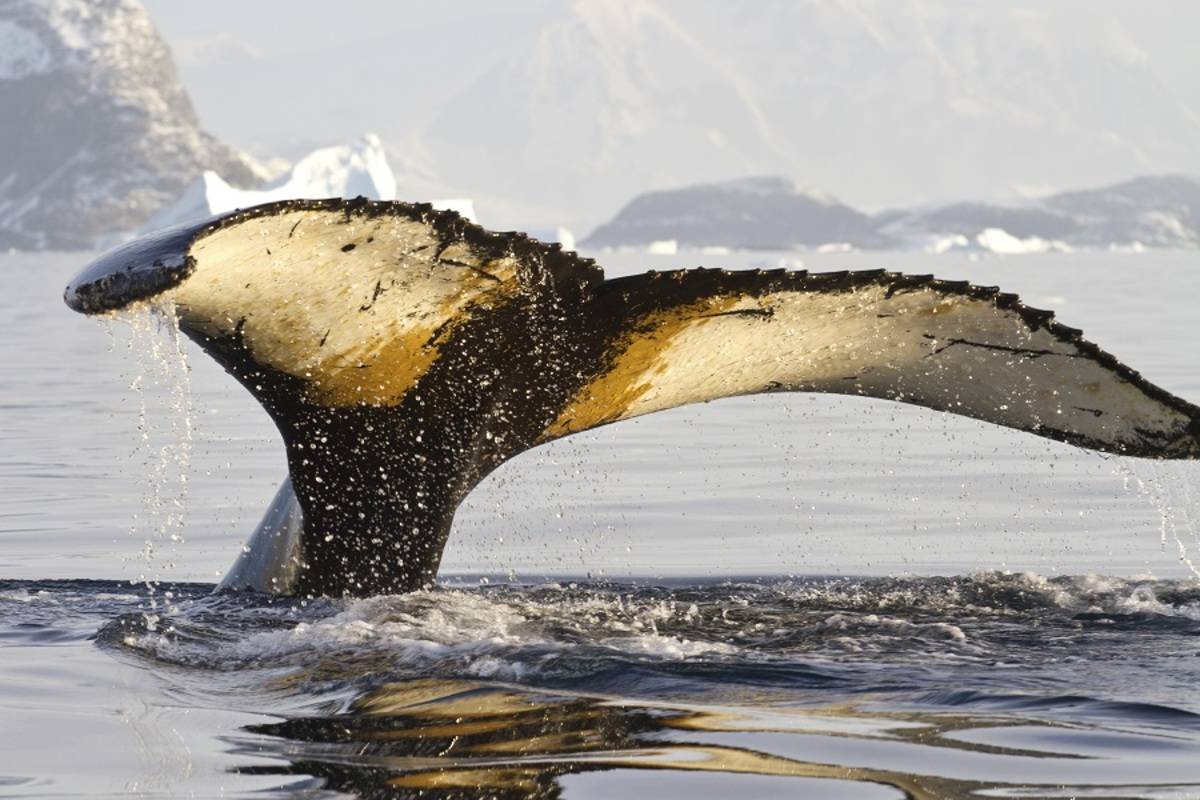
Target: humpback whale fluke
point(404, 353)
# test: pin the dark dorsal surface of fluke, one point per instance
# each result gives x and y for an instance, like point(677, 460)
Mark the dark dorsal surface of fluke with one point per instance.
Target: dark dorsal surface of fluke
point(405, 353)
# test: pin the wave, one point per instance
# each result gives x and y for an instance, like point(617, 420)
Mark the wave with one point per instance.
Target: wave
point(882, 634)
point(975, 683)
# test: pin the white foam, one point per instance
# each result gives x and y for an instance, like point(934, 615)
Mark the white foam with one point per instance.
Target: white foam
point(1143, 599)
point(892, 626)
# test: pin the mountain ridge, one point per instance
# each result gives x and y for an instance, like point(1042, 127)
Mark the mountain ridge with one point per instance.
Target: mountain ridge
point(568, 112)
point(768, 213)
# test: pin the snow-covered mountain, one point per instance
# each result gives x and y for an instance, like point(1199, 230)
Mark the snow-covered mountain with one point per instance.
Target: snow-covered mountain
point(1155, 211)
point(96, 131)
point(566, 112)
point(555, 113)
point(768, 214)
point(610, 95)
point(899, 103)
point(357, 169)
point(1151, 211)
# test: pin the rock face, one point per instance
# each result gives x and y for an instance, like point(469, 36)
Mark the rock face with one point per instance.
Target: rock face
point(97, 132)
point(767, 214)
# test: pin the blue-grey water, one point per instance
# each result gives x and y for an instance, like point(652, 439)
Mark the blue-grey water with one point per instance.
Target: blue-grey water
point(791, 596)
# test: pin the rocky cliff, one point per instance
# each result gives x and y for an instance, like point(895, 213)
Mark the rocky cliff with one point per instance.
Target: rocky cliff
point(96, 130)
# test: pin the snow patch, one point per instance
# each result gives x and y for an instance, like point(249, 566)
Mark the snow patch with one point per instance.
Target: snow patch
point(93, 32)
point(1167, 226)
point(22, 52)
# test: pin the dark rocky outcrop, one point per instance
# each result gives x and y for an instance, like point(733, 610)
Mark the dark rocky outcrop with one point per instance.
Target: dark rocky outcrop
point(96, 130)
point(767, 214)
point(752, 213)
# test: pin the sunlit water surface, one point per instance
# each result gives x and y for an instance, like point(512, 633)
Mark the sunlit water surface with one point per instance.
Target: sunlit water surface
point(681, 605)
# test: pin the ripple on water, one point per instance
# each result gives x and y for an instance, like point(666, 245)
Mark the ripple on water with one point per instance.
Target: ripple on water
point(934, 687)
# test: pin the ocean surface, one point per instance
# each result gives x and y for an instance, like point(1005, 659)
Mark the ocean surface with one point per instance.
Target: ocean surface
point(785, 596)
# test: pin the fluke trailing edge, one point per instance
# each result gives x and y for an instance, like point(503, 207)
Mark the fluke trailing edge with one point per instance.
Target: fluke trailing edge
point(405, 353)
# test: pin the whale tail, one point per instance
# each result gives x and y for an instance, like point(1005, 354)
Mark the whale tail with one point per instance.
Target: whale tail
point(404, 353)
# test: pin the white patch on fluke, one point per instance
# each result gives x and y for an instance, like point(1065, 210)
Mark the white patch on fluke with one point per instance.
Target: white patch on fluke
point(944, 351)
point(354, 306)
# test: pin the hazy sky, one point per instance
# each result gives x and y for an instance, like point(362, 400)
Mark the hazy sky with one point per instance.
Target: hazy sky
point(281, 26)
point(275, 26)
point(878, 102)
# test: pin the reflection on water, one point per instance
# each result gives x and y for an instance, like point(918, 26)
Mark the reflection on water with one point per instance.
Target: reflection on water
point(426, 738)
point(993, 685)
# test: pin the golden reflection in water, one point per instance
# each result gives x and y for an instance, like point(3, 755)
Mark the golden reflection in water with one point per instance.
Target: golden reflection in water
point(458, 739)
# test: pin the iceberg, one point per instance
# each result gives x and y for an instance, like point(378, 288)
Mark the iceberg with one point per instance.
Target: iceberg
point(463, 206)
point(937, 245)
point(998, 240)
point(360, 168)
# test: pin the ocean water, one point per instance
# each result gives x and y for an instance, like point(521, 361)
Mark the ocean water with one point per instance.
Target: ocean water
point(793, 596)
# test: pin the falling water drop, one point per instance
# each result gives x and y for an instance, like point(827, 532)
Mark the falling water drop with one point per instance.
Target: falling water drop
point(1165, 487)
point(163, 448)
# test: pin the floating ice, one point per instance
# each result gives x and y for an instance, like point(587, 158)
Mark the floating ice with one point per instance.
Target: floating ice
point(358, 169)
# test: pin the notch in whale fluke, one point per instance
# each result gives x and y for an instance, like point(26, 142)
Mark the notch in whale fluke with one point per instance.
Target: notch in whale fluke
point(404, 353)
